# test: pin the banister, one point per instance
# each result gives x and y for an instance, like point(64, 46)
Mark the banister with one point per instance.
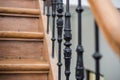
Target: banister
point(79, 74)
point(48, 15)
point(79, 49)
point(60, 10)
point(67, 38)
point(54, 3)
point(97, 56)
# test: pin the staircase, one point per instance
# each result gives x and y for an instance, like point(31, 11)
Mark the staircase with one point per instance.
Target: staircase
point(23, 45)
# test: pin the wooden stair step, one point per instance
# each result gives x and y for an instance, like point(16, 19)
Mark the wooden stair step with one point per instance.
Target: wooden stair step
point(11, 10)
point(23, 51)
point(24, 35)
point(20, 3)
point(24, 70)
point(23, 65)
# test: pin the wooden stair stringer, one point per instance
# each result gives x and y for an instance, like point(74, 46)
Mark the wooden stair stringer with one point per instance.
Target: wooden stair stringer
point(53, 61)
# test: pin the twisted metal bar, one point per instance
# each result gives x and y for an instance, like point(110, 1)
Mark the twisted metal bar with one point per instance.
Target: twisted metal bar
point(59, 30)
point(53, 25)
point(48, 15)
point(44, 6)
point(79, 65)
point(97, 56)
point(67, 38)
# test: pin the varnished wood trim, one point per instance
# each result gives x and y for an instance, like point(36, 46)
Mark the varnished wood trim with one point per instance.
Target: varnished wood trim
point(23, 65)
point(19, 11)
point(26, 35)
point(18, 39)
point(24, 72)
point(19, 15)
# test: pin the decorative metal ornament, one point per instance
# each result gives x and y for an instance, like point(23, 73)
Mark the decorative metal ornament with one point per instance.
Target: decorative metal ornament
point(48, 15)
point(53, 25)
point(59, 34)
point(67, 38)
point(79, 64)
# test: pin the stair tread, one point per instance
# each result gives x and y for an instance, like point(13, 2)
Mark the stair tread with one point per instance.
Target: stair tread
point(17, 34)
point(23, 65)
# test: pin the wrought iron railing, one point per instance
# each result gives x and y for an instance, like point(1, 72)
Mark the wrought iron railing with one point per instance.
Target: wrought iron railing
point(53, 25)
point(67, 38)
point(97, 56)
point(80, 50)
point(57, 10)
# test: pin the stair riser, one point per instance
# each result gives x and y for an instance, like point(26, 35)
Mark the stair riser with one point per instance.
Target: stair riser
point(23, 76)
point(19, 24)
point(19, 3)
point(21, 49)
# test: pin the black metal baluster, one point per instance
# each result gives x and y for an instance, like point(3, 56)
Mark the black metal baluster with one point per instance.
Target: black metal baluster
point(48, 14)
point(67, 38)
point(53, 25)
point(59, 30)
point(44, 3)
point(97, 56)
point(79, 65)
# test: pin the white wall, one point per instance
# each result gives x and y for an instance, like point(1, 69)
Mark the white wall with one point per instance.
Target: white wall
point(74, 2)
point(85, 3)
point(110, 64)
point(116, 3)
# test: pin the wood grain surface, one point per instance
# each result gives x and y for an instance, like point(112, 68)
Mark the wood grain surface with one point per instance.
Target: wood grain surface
point(23, 76)
point(22, 41)
point(32, 4)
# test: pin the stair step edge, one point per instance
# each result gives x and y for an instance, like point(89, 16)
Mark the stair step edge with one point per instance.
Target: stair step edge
point(24, 35)
point(12, 10)
point(24, 65)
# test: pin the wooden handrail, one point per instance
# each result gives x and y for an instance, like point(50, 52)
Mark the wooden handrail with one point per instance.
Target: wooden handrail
point(108, 19)
point(26, 35)
point(11, 10)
